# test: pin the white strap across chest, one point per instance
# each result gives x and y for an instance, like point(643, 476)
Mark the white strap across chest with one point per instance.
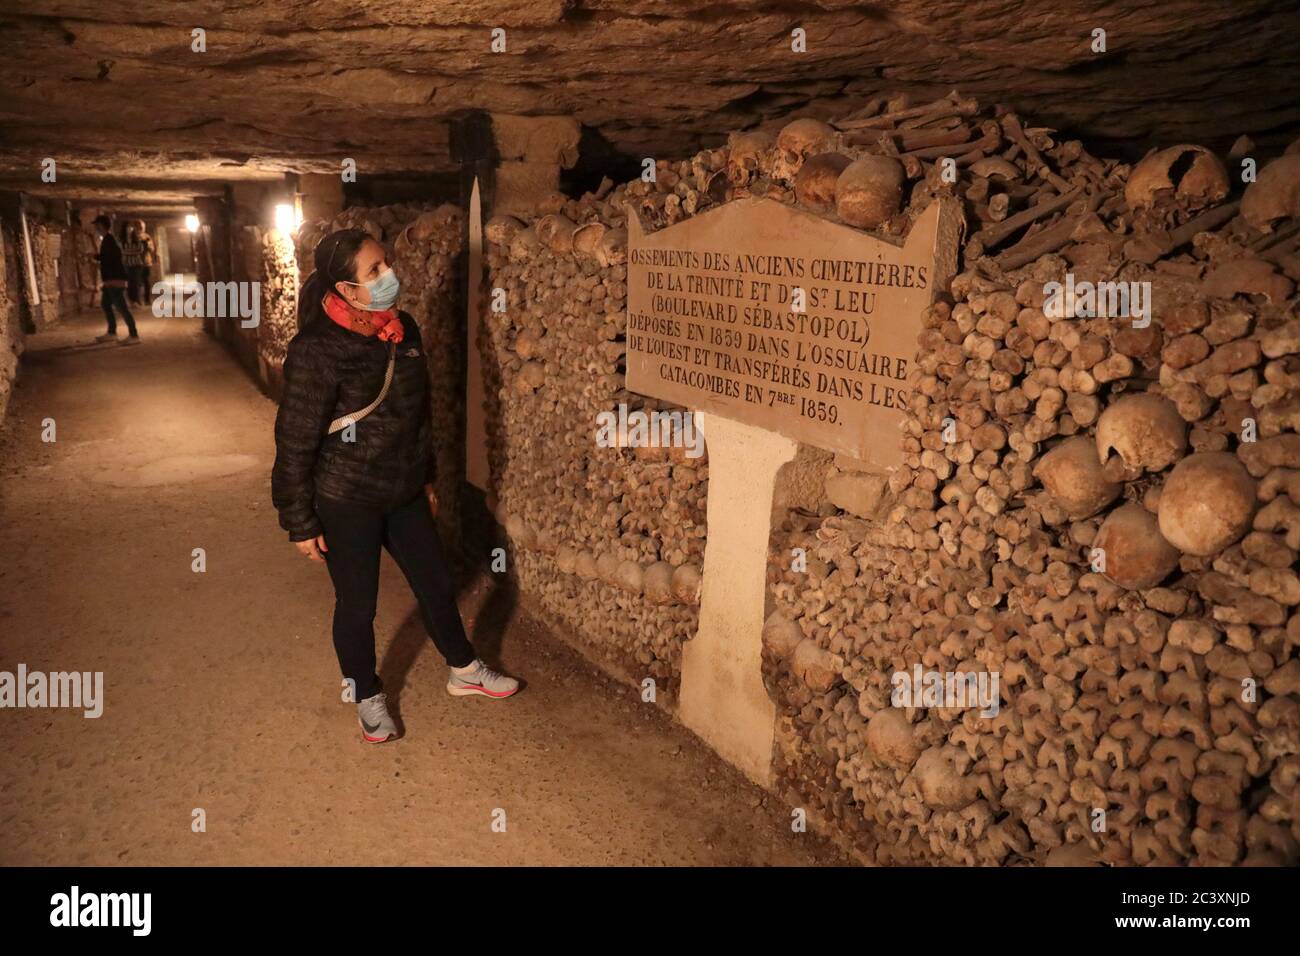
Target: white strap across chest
point(341, 423)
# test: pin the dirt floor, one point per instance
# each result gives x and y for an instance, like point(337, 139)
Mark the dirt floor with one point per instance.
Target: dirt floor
point(221, 690)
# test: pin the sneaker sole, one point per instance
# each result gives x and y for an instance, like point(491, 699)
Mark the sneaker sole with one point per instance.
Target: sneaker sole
point(479, 692)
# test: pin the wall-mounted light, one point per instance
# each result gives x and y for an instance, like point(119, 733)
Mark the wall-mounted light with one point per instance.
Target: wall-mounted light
point(192, 222)
point(287, 219)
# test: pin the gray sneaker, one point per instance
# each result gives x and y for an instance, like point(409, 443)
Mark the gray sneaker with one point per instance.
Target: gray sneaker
point(106, 337)
point(376, 725)
point(481, 680)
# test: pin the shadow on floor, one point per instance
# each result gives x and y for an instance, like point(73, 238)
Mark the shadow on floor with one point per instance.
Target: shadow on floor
point(47, 356)
point(487, 620)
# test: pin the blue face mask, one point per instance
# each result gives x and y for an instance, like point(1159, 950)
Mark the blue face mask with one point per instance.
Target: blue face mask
point(383, 291)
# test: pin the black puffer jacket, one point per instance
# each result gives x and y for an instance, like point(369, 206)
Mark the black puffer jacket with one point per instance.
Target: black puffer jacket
point(329, 372)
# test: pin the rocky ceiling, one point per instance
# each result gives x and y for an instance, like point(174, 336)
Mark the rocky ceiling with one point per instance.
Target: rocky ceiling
point(115, 92)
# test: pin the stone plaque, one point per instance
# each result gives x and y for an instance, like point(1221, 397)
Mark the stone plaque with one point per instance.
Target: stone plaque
point(775, 317)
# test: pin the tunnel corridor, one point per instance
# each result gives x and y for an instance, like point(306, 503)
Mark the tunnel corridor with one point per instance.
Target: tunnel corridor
point(868, 432)
point(221, 691)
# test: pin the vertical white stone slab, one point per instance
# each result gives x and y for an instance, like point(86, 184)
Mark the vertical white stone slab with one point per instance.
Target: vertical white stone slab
point(476, 457)
point(33, 292)
point(722, 697)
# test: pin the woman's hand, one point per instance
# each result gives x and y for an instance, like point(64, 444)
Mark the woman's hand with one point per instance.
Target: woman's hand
point(312, 547)
point(433, 498)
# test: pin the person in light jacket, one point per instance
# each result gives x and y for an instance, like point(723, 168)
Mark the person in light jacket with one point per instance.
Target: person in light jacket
point(139, 252)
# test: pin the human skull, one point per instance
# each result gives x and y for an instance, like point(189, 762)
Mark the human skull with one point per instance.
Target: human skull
point(799, 140)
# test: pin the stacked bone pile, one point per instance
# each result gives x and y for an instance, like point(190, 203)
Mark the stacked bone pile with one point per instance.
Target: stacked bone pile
point(279, 304)
point(1102, 510)
point(608, 539)
point(553, 360)
point(423, 245)
point(87, 269)
point(47, 249)
point(76, 252)
point(385, 223)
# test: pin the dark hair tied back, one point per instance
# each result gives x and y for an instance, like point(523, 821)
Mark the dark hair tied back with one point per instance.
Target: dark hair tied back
point(335, 261)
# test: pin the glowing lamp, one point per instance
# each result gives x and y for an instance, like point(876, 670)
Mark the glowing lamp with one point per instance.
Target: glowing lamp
point(287, 219)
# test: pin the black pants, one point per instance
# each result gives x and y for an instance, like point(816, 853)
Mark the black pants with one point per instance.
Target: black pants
point(354, 535)
point(139, 287)
point(116, 297)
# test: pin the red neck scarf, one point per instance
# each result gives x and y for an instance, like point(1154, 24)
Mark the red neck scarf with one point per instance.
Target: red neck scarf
point(387, 325)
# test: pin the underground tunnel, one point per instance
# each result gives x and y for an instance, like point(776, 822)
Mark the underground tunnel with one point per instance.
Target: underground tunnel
point(852, 435)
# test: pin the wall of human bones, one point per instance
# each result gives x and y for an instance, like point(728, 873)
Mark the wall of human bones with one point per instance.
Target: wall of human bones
point(1065, 629)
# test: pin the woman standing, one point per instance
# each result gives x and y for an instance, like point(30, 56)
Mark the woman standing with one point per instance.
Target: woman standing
point(354, 467)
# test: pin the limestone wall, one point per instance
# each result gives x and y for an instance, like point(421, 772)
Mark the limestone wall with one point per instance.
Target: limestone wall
point(213, 254)
point(249, 258)
point(78, 271)
point(50, 244)
point(11, 329)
